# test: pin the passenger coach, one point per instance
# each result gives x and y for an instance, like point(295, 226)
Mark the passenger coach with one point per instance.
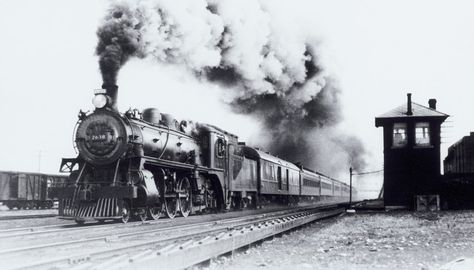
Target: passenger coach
point(264, 177)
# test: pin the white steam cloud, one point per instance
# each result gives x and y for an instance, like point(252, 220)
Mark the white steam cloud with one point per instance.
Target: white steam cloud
point(272, 72)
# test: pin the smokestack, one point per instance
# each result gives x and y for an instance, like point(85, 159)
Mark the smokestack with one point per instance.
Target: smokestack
point(432, 103)
point(111, 91)
point(409, 110)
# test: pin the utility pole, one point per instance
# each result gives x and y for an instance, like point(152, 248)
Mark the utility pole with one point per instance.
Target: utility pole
point(350, 187)
point(39, 161)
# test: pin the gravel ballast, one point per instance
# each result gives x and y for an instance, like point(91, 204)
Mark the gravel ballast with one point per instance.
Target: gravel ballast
point(392, 240)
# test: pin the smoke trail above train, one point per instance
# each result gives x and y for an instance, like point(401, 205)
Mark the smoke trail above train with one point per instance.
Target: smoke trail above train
point(272, 74)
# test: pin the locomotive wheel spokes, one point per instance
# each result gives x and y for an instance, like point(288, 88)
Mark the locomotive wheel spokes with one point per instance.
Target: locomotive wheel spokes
point(125, 212)
point(142, 214)
point(244, 203)
point(209, 196)
point(185, 200)
point(236, 203)
point(171, 205)
point(154, 212)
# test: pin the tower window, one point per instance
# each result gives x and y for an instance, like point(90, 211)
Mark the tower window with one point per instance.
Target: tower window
point(399, 134)
point(422, 134)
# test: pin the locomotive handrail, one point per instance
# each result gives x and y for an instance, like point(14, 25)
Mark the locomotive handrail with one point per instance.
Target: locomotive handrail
point(131, 127)
point(167, 135)
point(81, 117)
point(116, 172)
point(166, 143)
point(168, 163)
point(74, 144)
point(80, 173)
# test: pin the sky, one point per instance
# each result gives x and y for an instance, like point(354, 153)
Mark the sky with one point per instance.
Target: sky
point(377, 50)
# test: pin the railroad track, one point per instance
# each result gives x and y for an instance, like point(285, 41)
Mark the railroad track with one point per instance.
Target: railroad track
point(12, 217)
point(70, 227)
point(113, 244)
point(27, 214)
point(58, 228)
point(33, 237)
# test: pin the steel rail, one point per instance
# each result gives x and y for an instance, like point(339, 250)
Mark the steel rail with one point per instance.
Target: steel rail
point(111, 235)
point(28, 231)
point(15, 217)
point(163, 241)
point(31, 229)
point(180, 256)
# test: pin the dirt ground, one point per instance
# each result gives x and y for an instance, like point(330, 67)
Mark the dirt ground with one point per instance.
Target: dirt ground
point(397, 240)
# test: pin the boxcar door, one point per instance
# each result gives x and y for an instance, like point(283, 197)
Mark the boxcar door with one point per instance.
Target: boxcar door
point(5, 185)
point(22, 187)
point(43, 190)
point(13, 186)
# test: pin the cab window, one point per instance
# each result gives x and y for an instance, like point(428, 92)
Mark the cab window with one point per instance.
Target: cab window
point(220, 148)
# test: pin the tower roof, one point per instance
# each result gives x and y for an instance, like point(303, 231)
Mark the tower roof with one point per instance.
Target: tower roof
point(418, 111)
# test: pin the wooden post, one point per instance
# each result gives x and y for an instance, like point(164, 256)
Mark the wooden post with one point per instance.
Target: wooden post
point(350, 187)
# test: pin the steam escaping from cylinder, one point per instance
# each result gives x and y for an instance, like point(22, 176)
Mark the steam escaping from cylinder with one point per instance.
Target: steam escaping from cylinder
point(271, 70)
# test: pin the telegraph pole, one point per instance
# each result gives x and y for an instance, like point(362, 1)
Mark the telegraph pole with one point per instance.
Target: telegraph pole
point(39, 161)
point(350, 186)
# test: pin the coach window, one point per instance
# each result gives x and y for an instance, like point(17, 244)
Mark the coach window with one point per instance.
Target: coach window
point(399, 134)
point(272, 172)
point(422, 133)
point(265, 170)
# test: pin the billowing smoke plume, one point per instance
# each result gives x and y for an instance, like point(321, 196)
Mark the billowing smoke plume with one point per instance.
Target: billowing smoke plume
point(119, 39)
point(272, 74)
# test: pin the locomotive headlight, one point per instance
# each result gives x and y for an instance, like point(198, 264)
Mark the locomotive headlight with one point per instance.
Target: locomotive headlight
point(99, 101)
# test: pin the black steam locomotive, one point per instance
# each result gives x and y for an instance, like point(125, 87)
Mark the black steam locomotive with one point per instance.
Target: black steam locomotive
point(146, 164)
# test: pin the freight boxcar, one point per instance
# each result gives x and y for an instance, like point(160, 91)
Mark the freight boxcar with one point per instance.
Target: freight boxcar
point(457, 185)
point(460, 159)
point(24, 190)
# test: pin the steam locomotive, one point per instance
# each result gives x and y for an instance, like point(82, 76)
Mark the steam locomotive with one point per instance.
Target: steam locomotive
point(146, 164)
